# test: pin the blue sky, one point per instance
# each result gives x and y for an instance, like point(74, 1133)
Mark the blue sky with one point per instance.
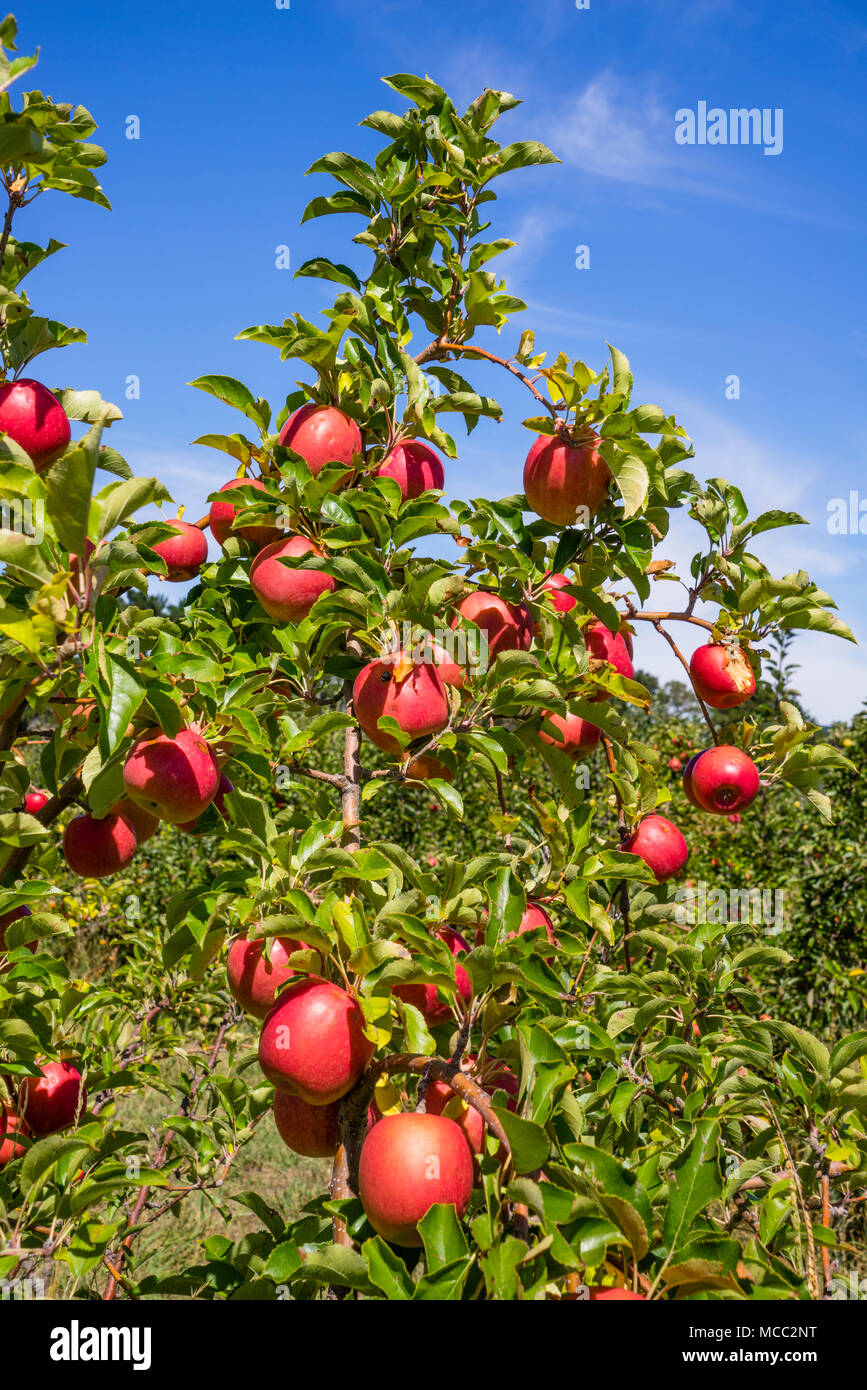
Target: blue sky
point(705, 261)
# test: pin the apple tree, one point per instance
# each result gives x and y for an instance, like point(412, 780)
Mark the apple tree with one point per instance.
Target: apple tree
point(538, 1071)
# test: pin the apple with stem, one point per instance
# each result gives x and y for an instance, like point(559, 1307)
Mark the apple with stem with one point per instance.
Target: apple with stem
point(722, 675)
point(184, 552)
point(565, 481)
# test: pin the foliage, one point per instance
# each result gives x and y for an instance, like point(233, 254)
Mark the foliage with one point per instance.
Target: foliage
point(667, 1136)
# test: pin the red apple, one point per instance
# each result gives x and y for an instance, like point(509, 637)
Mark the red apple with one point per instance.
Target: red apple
point(310, 1130)
point(562, 481)
point(722, 675)
point(534, 918)
point(426, 998)
point(321, 434)
point(34, 801)
point(412, 694)
point(722, 779)
point(553, 583)
point(409, 1163)
point(615, 648)
point(600, 1294)
point(172, 778)
point(509, 626)
point(222, 515)
point(414, 467)
point(10, 1126)
point(253, 979)
point(143, 823)
point(312, 1043)
point(576, 735)
point(50, 1102)
point(193, 827)
point(97, 848)
point(422, 768)
point(440, 1095)
point(450, 671)
point(661, 846)
point(675, 764)
point(288, 595)
point(184, 553)
point(35, 419)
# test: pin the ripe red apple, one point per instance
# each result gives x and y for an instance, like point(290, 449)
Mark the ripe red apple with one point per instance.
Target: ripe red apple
point(561, 480)
point(414, 467)
point(534, 918)
point(615, 648)
point(173, 778)
point(721, 779)
point(310, 1130)
point(509, 626)
point(10, 1126)
point(423, 767)
point(661, 846)
point(450, 671)
point(312, 1043)
point(222, 515)
point(410, 1162)
point(321, 434)
point(185, 552)
point(553, 583)
point(34, 801)
point(722, 675)
point(35, 419)
point(50, 1102)
point(412, 694)
point(287, 595)
point(601, 1294)
point(440, 1095)
point(143, 823)
point(576, 735)
point(426, 998)
point(97, 848)
point(253, 979)
point(675, 764)
point(193, 827)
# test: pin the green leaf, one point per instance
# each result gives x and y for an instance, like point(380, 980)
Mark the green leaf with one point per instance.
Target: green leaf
point(528, 1141)
point(68, 487)
point(443, 1237)
point(387, 1270)
point(694, 1183)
